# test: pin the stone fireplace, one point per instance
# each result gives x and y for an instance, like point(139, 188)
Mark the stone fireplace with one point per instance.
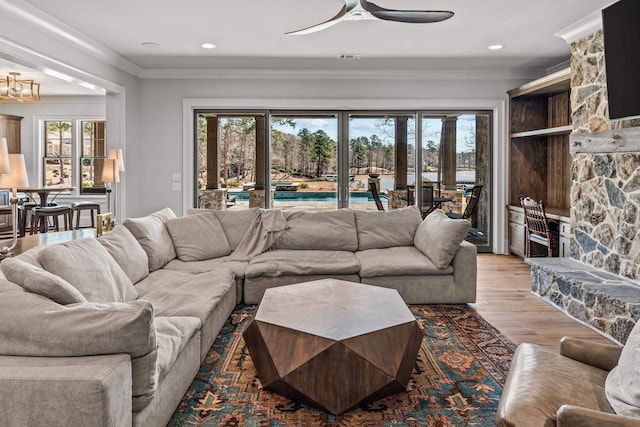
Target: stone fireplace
point(599, 283)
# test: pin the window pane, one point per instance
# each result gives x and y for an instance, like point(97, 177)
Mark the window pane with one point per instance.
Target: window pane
point(57, 171)
point(94, 139)
point(58, 138)
point(91, 182)
point(304, 161)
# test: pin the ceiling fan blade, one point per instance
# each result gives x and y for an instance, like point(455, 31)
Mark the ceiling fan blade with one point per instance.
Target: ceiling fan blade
point(409, 16)
point(326, 24)
point(314, 28)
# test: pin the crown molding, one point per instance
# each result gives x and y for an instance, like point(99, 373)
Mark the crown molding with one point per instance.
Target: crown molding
point(582, 28)
point(43, 22)
point(333, 74)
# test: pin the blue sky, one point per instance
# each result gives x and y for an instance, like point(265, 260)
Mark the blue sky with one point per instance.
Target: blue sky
point(367, 127)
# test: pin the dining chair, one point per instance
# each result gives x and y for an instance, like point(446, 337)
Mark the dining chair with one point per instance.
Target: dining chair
point(538, 228)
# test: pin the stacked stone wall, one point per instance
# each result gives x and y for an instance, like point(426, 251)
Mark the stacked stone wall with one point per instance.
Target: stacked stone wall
point(605, 190)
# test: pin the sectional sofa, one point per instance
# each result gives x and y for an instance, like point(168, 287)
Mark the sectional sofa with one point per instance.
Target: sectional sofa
point(111, 331)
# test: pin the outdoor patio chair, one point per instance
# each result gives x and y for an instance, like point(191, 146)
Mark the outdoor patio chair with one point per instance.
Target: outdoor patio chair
point(472, 205)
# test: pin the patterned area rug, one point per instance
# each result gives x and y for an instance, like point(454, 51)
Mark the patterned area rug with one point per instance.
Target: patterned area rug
point(457, 380)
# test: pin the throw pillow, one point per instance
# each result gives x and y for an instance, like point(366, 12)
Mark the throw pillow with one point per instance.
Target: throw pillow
point(87, 265)
point(151, 232)
point(198, 237)
point(127, 252)
point(386, 229)
point(41, 282)
point(439, 237)
point(622, 386)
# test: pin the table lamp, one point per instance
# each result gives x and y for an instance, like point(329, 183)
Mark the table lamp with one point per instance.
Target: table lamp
point(14, 179)
point(110, 175)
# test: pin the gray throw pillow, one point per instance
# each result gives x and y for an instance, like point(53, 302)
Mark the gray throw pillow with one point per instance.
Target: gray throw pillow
point(87, 265)
point(41, 282)
point(151, 232)
point(622, 386)
point(439, 237)
point(198, 237)
point(386, 229)
point(127, 252)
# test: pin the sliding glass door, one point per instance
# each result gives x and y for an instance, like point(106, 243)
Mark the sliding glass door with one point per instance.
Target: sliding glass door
point(455, 158)
point(381, 157)
point(369, 160)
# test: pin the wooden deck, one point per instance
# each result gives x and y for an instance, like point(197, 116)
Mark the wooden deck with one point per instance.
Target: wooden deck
point(505, 300)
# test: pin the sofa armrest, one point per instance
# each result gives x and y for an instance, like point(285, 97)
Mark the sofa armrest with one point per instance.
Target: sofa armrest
point(93, 391)
point(575, 416)
point(465, 269)
point(32, 325)
point(603, 356)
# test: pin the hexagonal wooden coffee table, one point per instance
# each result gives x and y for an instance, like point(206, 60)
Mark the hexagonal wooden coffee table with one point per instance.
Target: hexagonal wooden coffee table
point(333, 344)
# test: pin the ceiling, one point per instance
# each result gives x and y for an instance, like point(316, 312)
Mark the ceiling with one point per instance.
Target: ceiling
point(250, 34)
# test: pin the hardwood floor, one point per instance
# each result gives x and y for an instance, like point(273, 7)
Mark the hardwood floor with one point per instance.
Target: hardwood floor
point(505, 300)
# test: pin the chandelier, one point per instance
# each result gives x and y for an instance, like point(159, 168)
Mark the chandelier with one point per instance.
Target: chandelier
point(14, 89)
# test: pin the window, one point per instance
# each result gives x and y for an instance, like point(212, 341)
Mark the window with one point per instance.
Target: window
point(74, 152)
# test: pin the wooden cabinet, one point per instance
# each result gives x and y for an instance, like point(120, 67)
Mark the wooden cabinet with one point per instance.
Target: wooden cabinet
point(517, 233)
point(10, 129)
point(539, 157)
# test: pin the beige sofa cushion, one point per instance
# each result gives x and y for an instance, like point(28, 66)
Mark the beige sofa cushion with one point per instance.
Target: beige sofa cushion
point(39, 281)
point(333, 230)
point(87, 265)
point(173, 334)
point(287, 262)
point(234, 223)
point(385, 229)
point(439, 237)
point(622, 386)
point(127, 252)
point(151, 232)
point(397, 261)
point(198, 237)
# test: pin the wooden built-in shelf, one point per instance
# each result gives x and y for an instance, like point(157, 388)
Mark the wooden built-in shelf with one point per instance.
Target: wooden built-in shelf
point(539, 158)
point(559, 130)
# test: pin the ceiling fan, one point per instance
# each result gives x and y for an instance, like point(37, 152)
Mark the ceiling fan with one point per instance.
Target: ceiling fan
point(355, 10)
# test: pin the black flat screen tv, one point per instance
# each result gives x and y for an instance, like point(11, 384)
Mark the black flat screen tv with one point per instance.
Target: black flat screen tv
point(621, 27)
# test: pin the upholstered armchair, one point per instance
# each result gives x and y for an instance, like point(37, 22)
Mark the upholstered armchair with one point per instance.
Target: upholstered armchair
point(586, 384)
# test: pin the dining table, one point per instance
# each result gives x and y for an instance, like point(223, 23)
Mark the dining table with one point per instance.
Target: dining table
point(44, 192)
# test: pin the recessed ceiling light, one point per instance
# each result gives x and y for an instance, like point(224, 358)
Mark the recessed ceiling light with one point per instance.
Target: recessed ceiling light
point(496, 46)
point(151, 45)
point(208, 45)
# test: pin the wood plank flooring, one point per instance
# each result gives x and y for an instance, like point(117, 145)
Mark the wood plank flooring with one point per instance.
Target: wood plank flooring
point(505, 300)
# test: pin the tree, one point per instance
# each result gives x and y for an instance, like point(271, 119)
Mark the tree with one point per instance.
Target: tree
point(358, 152)
point(322, 150)
point(59, 128)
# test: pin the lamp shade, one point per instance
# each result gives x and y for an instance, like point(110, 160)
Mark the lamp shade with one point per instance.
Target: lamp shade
point(18, 177)
point(5, 166)
point(116, 153)
point(110, 171)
